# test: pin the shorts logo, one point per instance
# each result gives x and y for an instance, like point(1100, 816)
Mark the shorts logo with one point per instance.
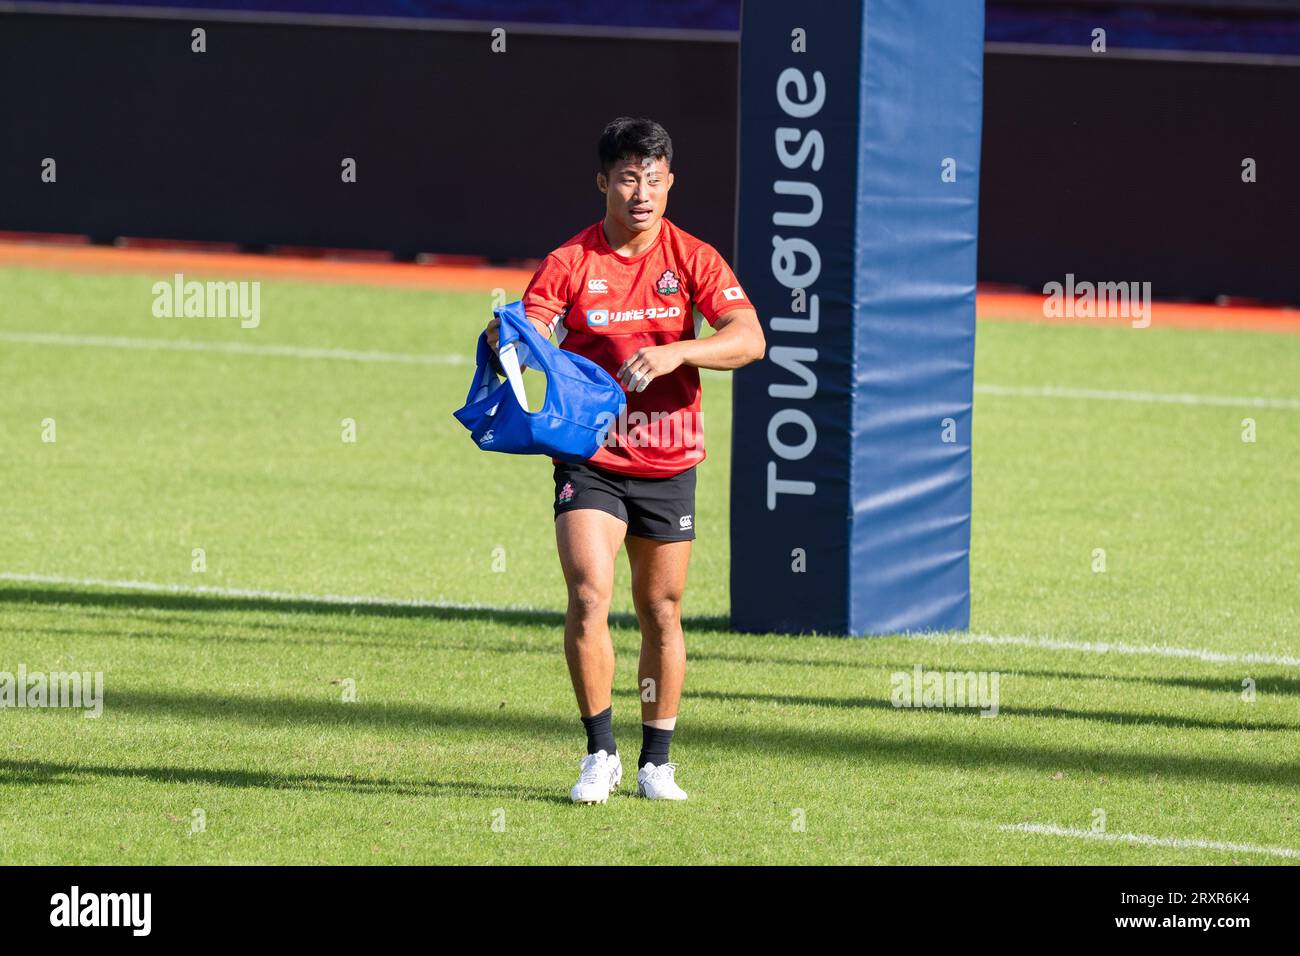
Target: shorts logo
point(597, 286)
point(684, 522)
point(487, 437)
point(668, 283)
point(734, 293)
point(566, 493)
point(598, 316)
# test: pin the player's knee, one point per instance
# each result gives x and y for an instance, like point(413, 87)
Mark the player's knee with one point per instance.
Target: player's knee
point(662, 615)
point(588, 601)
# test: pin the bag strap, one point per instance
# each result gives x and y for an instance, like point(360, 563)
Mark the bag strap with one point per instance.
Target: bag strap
point(514, 375)
point(514, 328)
point(486, 377)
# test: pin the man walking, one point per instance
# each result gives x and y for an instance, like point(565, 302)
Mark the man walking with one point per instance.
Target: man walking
point(623, 293)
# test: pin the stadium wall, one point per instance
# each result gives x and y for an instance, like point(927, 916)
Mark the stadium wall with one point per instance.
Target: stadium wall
point(1122, 166)
point(459, 150)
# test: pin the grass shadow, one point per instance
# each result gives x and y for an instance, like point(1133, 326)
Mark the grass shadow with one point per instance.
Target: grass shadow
point(1266, 684)
point(1119, 718)
point(44, 773)
point(219, 602)
point(868, 745)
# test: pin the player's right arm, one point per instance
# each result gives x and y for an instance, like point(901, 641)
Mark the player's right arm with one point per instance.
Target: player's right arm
point(543, 329)
point(545, 300)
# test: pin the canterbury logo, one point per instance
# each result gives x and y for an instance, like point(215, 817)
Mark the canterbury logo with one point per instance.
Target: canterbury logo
point(684, 522)
point(596, 286)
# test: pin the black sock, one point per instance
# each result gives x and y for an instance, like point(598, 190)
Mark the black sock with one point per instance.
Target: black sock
point(600, 731)
point(654, 746)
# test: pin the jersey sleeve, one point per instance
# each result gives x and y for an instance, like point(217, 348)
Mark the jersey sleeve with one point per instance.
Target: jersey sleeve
point(547, 295)
point(715, 288)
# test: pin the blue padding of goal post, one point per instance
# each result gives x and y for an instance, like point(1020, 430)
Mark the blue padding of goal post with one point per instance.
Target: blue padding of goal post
point(851, 445)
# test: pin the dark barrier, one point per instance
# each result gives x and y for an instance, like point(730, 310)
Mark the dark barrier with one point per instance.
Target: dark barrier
point(1124, 169)
point(1105, 166)
point(1222, 26)
point(458, 149)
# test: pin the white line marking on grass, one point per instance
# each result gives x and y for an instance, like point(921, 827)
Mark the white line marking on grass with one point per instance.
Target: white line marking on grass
point(1168, 398)
point(1118, 647)
point(413, 358)
point(190, 345)
point(241, 348)
point(207, 591)
point(1049, 829)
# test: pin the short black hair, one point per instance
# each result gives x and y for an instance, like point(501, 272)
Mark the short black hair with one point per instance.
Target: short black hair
point(627, 137)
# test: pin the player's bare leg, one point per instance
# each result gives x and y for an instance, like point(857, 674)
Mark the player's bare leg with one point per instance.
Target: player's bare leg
point(658, 580)
point(588, 541)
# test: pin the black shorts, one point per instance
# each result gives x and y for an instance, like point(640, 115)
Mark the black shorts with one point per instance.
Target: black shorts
point(658, 508)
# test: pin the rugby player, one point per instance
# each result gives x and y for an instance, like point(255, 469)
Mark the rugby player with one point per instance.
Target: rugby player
point(624, 293)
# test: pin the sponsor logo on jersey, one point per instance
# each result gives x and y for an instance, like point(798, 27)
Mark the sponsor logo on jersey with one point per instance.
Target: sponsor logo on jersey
point(597, 286)
point(668, 283)
point(734, 293)
point(638, 315)
point(598, 316)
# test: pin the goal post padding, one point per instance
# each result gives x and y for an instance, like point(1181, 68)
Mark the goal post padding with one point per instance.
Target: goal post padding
point(856, 225)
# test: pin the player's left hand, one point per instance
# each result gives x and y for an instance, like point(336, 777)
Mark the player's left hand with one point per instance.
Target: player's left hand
point(648, 364)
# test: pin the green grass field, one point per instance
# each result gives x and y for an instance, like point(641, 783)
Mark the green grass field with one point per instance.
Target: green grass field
point(464, 739)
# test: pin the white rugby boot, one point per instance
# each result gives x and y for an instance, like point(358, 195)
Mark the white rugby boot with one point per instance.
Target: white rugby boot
point(599, 777)
point(658, 783)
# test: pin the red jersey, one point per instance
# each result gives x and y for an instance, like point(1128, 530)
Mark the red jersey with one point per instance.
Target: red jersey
point(605, 306)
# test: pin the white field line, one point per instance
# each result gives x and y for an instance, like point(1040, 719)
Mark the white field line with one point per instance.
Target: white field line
point(1118, 647)
point(413, 358)
point(1049, 829)
point(190, 345)
point(1166, 398)
point(1043, 643)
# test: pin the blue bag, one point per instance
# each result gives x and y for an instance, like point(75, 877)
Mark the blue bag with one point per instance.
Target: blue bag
point(582, 400)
